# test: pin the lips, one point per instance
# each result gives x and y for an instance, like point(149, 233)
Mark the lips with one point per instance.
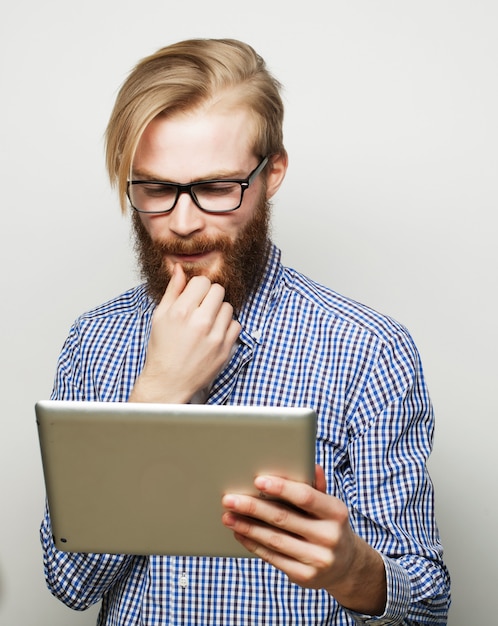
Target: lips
point(192, 257)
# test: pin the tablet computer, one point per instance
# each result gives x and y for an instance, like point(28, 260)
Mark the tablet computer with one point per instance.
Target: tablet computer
point(135, 478)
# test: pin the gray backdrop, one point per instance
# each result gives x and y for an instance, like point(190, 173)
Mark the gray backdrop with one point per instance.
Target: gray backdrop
point(391, 198)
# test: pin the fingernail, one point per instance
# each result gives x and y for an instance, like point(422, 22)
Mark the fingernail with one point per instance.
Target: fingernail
point(230, 501)
point(228, 520)
point(263, 483)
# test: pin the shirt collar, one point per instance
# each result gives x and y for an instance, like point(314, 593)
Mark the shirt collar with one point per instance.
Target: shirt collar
point(254, 312)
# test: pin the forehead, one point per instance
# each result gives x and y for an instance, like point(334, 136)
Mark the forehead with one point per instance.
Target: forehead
point(198, 144)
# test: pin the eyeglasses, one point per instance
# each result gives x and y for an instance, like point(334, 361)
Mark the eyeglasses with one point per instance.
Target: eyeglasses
point(211, 196)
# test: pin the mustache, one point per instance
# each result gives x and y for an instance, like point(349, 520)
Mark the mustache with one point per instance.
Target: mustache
point(200, 244)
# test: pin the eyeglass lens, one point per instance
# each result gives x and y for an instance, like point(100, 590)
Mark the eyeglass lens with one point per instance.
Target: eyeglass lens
point(154, 197)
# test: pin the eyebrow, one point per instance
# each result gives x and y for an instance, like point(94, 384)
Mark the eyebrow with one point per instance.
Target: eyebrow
point(138, 174)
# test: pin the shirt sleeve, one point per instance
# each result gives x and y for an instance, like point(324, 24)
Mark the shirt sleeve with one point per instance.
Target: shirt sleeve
point(390, 494)
point(78, 580)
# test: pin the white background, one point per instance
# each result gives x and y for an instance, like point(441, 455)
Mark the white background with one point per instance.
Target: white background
point(391, 198)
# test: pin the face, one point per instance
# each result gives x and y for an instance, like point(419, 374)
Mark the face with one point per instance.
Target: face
point(229, 248)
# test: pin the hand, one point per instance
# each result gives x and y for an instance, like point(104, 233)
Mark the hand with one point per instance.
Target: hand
point(192, 334)
point(311, 540)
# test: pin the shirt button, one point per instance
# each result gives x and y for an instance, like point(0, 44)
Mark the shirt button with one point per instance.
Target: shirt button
point(183, 580)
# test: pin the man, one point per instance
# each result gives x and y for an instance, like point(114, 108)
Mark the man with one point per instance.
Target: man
point(195, 147)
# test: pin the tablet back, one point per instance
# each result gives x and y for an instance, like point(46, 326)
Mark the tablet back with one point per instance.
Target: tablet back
point(148, 478)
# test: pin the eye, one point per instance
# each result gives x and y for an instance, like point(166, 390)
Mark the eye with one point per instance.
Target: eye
point(217, 189)
point(156, 190)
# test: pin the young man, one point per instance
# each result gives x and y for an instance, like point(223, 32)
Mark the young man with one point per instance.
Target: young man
point(195, 147)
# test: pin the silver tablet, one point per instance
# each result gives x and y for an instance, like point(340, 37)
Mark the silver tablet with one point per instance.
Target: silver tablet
point(126, 478)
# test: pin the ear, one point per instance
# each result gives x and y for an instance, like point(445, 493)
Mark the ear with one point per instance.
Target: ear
point(277, 169)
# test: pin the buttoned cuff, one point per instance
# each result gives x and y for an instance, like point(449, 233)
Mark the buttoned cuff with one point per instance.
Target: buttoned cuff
point(398, 597)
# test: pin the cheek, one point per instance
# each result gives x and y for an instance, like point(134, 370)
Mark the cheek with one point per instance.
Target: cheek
point(155, 226)
point(233, 228)
point(145, 221)
point(239, 219)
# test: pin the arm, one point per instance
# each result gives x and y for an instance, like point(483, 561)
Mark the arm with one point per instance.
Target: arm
point(81, 580)
point(78, 580)
point(376, 550)
point(312, 542)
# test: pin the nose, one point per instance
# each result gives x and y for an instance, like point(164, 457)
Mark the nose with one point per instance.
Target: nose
point(186, 218)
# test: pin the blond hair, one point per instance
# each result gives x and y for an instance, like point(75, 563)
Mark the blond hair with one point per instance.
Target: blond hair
point(180, 78)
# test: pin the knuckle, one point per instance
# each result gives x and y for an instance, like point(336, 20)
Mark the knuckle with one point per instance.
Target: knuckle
point(307, 498)
point(265, 554)
point(218, 289)
point(201, 324)
point(280, 517)
point(227, 310)
point(177, 314)
point(275, 542)
point(251, 507)
point(323, 560)
point(199, 281)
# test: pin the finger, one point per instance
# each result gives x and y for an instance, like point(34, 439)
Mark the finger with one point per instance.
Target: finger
point(233, 332)
point(300, 495)
point(275, 527)
point(249, 530)
point(212, 301)
point(175, 287)
point(270, 542)
point(217, 316)
point(223, 319)
point(185, 297)
point(273, 514)
point(304, 568)
point(320, 480)
point(224, 330)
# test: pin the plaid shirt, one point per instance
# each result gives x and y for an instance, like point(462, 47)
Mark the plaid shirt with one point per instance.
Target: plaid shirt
point(301, 345)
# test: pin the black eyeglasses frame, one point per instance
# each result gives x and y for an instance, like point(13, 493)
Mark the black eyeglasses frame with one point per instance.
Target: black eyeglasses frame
point(188, 187)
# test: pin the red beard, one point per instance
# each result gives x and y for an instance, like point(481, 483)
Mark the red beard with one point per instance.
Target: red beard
point(244, 259)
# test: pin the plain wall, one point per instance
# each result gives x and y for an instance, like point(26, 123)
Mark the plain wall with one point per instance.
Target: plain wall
point(391, 198)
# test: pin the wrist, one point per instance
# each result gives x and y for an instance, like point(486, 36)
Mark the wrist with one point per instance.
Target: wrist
point(149, 389)
point(363, 589)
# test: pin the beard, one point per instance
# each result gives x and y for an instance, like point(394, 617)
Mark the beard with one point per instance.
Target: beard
point(243, 259)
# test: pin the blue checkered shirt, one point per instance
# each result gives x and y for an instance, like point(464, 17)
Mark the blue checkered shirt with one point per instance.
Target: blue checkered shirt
point(301, 345)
